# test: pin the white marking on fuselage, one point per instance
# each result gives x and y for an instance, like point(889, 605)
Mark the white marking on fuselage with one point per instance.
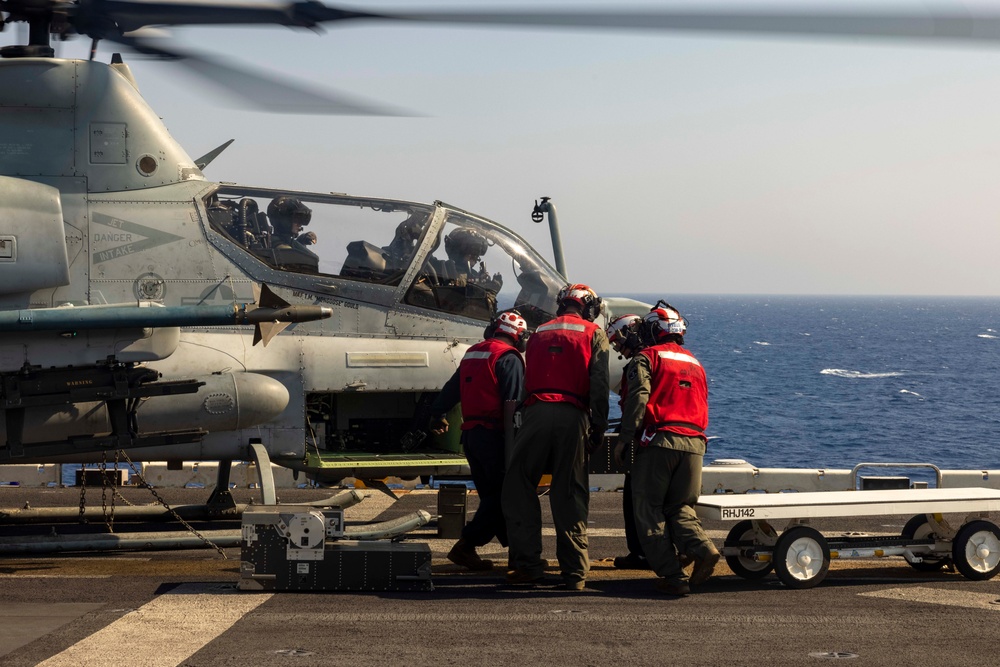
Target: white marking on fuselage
point(170, 628)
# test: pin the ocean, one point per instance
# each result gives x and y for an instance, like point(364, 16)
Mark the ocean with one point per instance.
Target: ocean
point(833, 381)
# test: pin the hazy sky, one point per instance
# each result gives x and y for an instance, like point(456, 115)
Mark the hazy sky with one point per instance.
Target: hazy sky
point(679, 164)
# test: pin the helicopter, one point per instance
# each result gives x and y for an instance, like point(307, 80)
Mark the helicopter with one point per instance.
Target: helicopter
point(107, 213)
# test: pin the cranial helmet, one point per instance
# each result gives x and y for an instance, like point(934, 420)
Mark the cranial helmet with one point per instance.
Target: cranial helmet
point(583, 295)
point(623, 332)
point(464, 245)
point(662, 321)
point(511, 323)
point(283, 211)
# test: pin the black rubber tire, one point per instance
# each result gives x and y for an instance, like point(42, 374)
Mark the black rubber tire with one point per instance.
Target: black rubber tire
point(976, 550)
point(917, 527)
point(743, 567)
point(796, 553)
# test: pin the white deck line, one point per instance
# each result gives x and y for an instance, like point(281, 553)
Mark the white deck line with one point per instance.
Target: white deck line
point(168, 630)
point(814, 505)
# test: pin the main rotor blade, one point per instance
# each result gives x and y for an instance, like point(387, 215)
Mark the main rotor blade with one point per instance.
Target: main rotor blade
point(925, 24)
point(262, 92)
point(129, 15)
point(944, 24)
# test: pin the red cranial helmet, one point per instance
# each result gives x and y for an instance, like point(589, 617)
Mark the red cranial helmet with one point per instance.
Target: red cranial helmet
point(583, 295)
point(511, 323)
point(662, 321)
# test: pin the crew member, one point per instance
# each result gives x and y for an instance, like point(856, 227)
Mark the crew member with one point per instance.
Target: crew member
point(667, 408)
point(490, 373)
point(563, 419)
point(623, 336)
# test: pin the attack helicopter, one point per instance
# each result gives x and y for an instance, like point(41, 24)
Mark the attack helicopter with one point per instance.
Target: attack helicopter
point(108, 221)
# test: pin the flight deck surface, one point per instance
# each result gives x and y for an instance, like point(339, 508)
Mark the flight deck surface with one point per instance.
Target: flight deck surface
point(182, 607)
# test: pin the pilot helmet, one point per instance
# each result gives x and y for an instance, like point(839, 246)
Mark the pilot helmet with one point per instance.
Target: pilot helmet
point(662, 321)
point(582, 295)
point(623, 333)
point(465, 245)
point(283, 211)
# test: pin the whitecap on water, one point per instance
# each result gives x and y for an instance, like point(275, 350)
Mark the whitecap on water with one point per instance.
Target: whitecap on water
point(841, 373)
point(760, 342)
point(985, 336)
point(911, 393)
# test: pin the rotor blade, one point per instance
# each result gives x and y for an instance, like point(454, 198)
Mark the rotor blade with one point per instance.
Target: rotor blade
point(265, 93)
point(910, 24)
point(129, 15)
point(921, 23)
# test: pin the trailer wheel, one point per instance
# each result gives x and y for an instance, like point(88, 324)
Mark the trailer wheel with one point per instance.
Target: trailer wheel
point(742, 535)
point(801, 557)
point(976, 550)
point(919, 528)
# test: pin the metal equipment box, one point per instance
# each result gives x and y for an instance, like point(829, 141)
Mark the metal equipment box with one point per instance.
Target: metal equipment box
point(298, 548)
point(452, 510)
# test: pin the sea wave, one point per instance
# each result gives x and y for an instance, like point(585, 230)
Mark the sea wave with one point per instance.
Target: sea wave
point(760, 342)
point(841, 373)
point(985, 336)
point(911, 393)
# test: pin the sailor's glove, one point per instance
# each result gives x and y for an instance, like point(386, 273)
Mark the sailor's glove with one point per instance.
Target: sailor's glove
point(439, 425)
point(595, 440)
point(309, 238)
point(621, 449)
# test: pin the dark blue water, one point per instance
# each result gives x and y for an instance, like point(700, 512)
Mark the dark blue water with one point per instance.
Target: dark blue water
point(834, 381)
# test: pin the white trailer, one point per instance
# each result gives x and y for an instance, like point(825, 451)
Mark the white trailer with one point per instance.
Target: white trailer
point(801, 555)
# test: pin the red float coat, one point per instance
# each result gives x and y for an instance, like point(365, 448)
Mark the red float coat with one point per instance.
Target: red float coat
point(479, 388)
point(557, 362)
point(678, 393)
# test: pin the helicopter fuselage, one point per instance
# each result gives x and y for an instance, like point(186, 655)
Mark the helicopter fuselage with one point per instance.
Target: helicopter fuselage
point(102, 206)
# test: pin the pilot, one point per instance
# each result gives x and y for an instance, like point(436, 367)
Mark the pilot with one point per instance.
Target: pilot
point(490, 373)
point(288, 216)
point(465, 247)
point(564, 418)
point(400, 250)
point(667, 410)
point(623, 336)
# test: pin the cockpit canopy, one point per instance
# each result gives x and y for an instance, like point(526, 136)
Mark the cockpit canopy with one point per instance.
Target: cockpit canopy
point(439, 257)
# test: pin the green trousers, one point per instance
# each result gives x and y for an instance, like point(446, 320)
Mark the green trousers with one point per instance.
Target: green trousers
point(552, 438)
point(665, 488)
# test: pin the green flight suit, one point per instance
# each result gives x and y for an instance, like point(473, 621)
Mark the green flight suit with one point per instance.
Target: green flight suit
point(666, 483)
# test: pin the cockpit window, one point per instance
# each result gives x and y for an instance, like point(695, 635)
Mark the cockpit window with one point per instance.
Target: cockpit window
point(358, 239)
point(475, 269)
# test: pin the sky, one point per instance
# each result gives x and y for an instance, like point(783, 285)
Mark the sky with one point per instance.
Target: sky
point(678, 164)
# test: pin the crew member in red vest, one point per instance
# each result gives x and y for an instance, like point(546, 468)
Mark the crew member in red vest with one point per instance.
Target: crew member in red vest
point(490, 373)
point(623, 336)
point(563, 418)
point(667, 410)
